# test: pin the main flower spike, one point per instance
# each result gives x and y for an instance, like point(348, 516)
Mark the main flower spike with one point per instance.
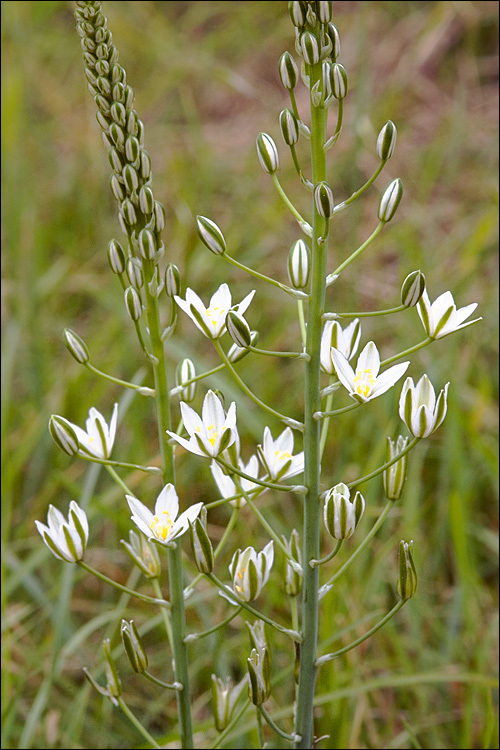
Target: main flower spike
point(66, 539)
point(213, 432)
point(162, 525)
point(211, 320)
point(276, 455)
point(366, 383)
point(250, 571)
point(442, 317)
point(98, 440)
point(418, 407)
point(346, 341)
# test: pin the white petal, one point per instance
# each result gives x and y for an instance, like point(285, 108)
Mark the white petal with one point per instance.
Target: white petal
point(167, 501)
point(212, 411)
point(182, 523)
point(344, 371)
point(285, 441)
point(369, 359)
point(221, 298)
point(190, 445)
point(388, 378)
point(245, 303)
point(191, 419)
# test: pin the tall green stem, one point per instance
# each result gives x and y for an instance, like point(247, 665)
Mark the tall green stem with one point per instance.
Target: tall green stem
point(312, 457)
point(177, 613)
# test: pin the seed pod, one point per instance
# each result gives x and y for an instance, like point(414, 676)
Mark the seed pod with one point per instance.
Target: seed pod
point(259, 671)
point(288, 71)
point(390, 200)
point(267, 153)
point(116, 257)
point(412, 289)
point(323, 198)
point(143, 553)
point(238, 329)
point(133, 303)
point(210, 234)
point(407, 583)
point(386, 141)
point(113, 681)
point(289, 127)
point(299, 264)
point(76, 346)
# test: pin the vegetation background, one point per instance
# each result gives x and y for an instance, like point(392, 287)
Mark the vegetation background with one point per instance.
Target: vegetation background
point(206, 82)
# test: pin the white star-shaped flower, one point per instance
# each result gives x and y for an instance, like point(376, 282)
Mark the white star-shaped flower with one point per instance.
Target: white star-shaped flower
point(365, 383)
point(442, 317)
point(163, 525)
point(211, 320)
point(211, 433)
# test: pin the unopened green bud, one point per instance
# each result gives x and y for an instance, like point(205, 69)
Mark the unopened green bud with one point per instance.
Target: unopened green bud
point(299, 259)
point(117, 189)
point(224, 699)
point(259, 671)
point(172, 280)
point(133, 646)
point(130, 178)
point(293, 578)
point(117, 135)
point(133, 267)
point(146, 200)
point(324, 11)
point(113, 681)
point(117, 74)
point(119, 113)
point(143, 553)
point(323, 198)
point(132, 148)
point(118, 92)
point(257, 633)
point(133, 124)
point(394, 477)
point(159, 216)
point(116, 160)
point(309, 47)
point(63, 435)
point(298, 13)
point(333, 33)
point(413, 288)
point(103, 122)
point(407, 583)
point(342, 515)
point(201, 545)
point(145, 165)
point(127, 210)
point(386, 141)
point(288, 71)
point(236, 352)
point(289, 127)
point(116, 257)
point(147, 244)
point(390, 200)
point(238, 329)
point(76, 346)
point(267, 153)
point(210, 234)
point(133, 303)
point(185, 371)
point(338, 80)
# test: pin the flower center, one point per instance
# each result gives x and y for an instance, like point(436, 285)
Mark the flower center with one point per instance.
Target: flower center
point(365, 382)
point(212, 436)
point(281, 455)
point(162, 525)
point(214, 314)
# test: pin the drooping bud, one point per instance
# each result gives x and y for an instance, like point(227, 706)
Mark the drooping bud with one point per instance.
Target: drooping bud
point(172, 280)
point(323, 198)
point(413, 288)
point(288, 71)
point(259, 670)
point(133, 303)
point(238, 329)
point(76, 346)
point(407, 583)
point(289, 127)
point(116, 257)
point(133, 646)
point(267, 153)
point(185, 371)
point(299, 260)
point(342, 515)
point(63, 435)
point(309, 47)
point(147, 244)
point(143, 553)
point(201, 545)
point(390, 200)
point(394, 477)
point(210, 234)
point(386, 141)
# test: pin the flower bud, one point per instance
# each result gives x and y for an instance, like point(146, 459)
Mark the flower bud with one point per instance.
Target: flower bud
point(338, 80)
point(63, 435)
point(76, 346)
point(333, 33)
point(236, 352)
point(390, 200)
point(299, 259)
point(116, 257)
point(201, 545)
point(293, 579)
point(117, 189)
point(159, 216)
point(224, 699)
point(116, 160)
point(66, 539)
point(309, 47)
point(133, 124)
point(407, 583)
point(395, 476)
point(419, 408)
point(147, 244)
point(386, 141)
point(323, 198)
point(132, 148)
point(103, 122)
point(118, 92)
point(289, 127)
point(259, 671)
point(134, 272)
point(185, 371)
point(257, 633)
point(143, 553)
point(288, 71)
point(146, 200)
point(298, 12)
point(413, 288)
point(172, 280)
point(267, 153)
point(238, 329)
point(119, 113)
point(117, 135)
point(130, 178)
point(127, 210)
point(145, 165)
point(210, 234)
point(324, 11)
point(133, 303)
point(113, 685)
point(133, 646)
point(341, 515)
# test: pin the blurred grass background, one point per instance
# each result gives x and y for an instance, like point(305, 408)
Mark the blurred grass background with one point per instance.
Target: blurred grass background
point(206, 82)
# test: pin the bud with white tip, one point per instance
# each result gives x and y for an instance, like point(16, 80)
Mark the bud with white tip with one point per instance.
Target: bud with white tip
point(413, 288)
point(238, 329)
point(299, 259)
point(133, 303)
point(288, 71)
point(342, 515)
point(267, 153)
point(390, 200)
point(386, 141)
point(323, 198)
point(185, 372)
point(394, 477)
point(289, 127)
point(210, 234)
point(407, 583)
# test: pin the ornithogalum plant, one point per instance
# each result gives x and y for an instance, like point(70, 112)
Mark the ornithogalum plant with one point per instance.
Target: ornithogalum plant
point(289, 457)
